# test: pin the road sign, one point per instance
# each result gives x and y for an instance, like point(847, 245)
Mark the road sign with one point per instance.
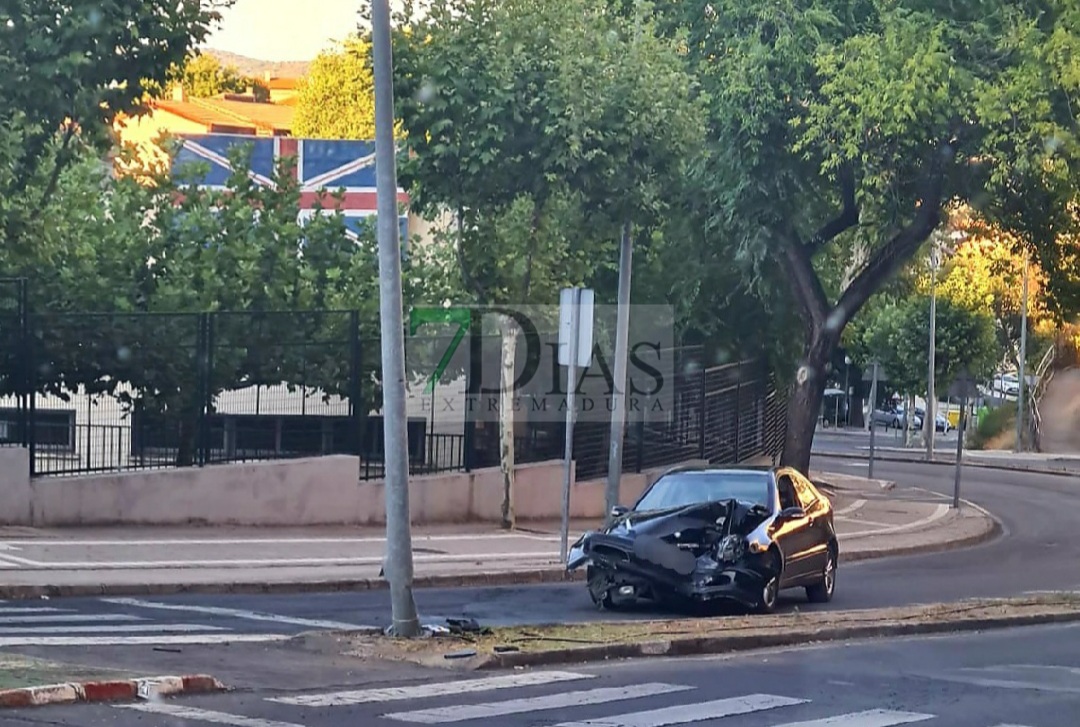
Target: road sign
point(576, 307)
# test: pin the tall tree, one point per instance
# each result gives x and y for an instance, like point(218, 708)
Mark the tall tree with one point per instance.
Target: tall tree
point(336, 99)
point(821, 142)
point(896, 337)
point(985, 272)
point(66, 70)
point(543, 128)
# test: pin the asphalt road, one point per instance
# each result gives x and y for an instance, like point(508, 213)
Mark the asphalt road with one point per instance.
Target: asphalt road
point(1019, 678)
point(1039, 551)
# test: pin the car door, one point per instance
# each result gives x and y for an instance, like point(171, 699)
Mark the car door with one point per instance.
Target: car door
point(794, 535)
point(819, 523)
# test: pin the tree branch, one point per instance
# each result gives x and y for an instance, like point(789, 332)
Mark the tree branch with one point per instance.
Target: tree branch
point(847, 218)
point(804, 279)
point(533, 232)
point(58, 165)
point(898, 250)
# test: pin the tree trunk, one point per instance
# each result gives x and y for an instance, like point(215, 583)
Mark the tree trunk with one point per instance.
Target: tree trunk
point(510, 331)
point(805, 404)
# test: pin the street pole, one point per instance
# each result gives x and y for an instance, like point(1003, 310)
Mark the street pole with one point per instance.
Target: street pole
point(930, 420)
point(618, 412)
point(1023, 359)
point(873, 406)
point(847, 392)
point(960, 444)
point(399, 563)
point(571, 386)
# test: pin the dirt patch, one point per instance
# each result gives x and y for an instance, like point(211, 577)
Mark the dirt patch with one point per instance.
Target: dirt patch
point(17, 671)
point(1060, 410)
point(592, 639)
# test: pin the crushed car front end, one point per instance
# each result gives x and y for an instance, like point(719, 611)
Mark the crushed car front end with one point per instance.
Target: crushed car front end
point(717, 551)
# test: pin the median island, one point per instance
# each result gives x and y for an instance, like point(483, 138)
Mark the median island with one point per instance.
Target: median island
point(473, 646)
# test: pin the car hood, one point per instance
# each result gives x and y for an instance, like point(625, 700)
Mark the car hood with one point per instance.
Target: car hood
point(720, 517)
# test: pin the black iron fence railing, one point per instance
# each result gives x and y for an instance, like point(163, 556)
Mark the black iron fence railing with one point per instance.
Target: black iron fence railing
point(90, 393)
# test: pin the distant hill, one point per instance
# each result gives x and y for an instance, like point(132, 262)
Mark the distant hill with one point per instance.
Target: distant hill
point(258, 68)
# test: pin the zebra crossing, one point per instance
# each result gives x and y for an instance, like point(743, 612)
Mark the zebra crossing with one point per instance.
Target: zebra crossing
point(566, 697)
point(131, 621)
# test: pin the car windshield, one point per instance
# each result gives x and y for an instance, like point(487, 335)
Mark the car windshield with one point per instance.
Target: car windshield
point(681, 489)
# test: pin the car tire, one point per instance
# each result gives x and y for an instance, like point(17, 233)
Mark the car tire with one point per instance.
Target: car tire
point(823, 592)
point(770, 589)
point(769, 593)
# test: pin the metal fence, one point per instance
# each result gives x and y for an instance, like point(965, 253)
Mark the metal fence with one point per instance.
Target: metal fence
point(113, 392)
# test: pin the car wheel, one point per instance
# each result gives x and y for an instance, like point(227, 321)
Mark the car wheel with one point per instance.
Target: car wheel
point(769, 593)
point(823, 592)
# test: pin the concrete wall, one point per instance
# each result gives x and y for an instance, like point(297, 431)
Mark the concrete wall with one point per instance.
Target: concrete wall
point(317, 491)
point(15, 493)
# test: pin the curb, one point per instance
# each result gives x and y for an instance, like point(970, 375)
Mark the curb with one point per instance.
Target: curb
point(705, 645)
point(865, 457)
point(470, 580)
point(995, 531)
point(110, 691)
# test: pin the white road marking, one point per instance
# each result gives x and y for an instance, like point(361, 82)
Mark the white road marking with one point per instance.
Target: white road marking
point(940, 512)
point(282, 541)
point(204, 715)
point(235, 613)
point(850, 508)
point(33, 610)
point(871, 718)
point(433, 689)
point(686, 713)
point(134, 628)
point(275, 562)
point(164, 639)
point(62, 617)
point(530, 705)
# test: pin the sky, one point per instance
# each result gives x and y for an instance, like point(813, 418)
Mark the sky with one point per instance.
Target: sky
point(278, 30)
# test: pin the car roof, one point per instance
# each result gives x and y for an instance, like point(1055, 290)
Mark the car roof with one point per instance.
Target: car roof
point(717, 469)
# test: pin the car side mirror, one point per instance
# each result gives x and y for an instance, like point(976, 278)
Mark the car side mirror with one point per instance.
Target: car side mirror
point(618, 511)
point(791, 513)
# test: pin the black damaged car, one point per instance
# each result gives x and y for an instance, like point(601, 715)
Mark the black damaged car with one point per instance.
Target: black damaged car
point(705, 534)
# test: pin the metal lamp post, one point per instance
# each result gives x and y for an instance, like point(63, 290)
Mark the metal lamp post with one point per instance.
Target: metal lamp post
point(930, 421)
point(1021, 429)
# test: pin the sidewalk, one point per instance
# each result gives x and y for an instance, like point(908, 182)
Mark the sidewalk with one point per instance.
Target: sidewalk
point(871, 521)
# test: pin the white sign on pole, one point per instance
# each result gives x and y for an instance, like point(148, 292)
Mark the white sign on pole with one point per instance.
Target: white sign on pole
point(585, 305)
point(570, 305)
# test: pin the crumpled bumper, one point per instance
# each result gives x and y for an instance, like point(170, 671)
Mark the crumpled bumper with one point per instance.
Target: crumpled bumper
point(666, 570)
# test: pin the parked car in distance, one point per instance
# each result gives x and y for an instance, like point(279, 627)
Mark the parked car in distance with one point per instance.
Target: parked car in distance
point(704, 534)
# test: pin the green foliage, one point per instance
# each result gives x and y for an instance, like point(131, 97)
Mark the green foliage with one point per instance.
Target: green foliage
point(136, 256)
point(525, 119)
point(898, 337)
point(66, 71)
point(996, 422)
point(913, 103)
point(336, 98)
